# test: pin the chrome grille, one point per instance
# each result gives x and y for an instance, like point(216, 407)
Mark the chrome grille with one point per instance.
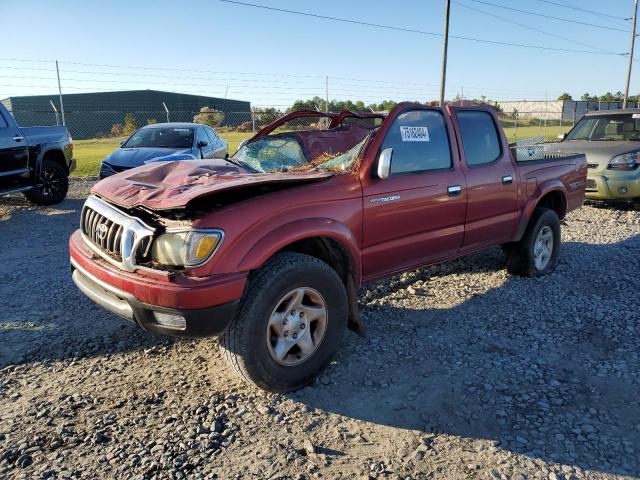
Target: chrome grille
point(591, 185)
point(103, 232)
point(119, 238)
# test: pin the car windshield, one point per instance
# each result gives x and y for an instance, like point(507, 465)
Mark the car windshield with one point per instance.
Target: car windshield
point(161, 137)
point(607, 128)
point(284, 153)
point(343, 162)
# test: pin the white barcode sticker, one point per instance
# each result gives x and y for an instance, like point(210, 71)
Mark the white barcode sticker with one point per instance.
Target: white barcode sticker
point(414, 134)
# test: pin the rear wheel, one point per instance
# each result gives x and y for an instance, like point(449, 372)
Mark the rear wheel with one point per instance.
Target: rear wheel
point(289, 324)
point(52, 186)
point(537, 252)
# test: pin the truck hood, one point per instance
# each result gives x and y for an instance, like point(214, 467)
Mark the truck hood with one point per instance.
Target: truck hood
point(597, 152)
point(172, 185)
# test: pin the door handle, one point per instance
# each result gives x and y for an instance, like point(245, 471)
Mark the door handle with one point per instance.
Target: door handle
point(454, 190)
point(18, 138)
point(507, 180)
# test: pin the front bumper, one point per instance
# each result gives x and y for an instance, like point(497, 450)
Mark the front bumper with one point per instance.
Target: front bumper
point(206, 305)
point(72, 165)
point(613, 185)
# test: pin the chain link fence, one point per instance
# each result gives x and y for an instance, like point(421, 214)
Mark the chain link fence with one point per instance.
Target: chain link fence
point(86, 124)
point(522, 125)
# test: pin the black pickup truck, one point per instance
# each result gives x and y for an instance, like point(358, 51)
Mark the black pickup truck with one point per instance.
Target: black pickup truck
point(36, 160)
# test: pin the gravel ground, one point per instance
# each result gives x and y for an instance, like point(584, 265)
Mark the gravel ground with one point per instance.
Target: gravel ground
point(465, 372)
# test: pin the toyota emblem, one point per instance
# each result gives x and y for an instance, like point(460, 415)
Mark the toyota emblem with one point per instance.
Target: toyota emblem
point(102, 231)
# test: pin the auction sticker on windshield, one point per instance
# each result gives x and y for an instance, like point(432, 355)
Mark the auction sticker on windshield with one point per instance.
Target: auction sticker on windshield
point(414, 134)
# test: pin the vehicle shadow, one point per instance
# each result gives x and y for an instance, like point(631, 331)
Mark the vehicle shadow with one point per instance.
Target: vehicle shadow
point(548, 372)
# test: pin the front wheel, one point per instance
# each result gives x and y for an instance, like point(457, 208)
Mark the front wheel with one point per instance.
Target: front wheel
point(537, 252)
point(52, 186)
point(289, 324)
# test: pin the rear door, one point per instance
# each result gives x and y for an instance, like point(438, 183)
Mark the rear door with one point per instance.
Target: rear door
point(492, 185)
point(14, 154)
point(417, 214)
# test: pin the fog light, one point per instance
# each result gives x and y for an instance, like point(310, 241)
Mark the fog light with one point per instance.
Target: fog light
point(622, 190)
point(170, 320)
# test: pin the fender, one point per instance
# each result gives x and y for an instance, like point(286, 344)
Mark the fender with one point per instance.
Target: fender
point(39, 151)
point(296, 230)
point(543, 189)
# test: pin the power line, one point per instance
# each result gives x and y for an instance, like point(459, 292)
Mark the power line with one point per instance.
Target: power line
point(420, 32)
point(580, 9)
point(484, 12)
point(527, 12)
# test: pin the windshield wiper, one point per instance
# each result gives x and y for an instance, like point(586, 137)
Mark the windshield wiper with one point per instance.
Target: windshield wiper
point(241, 164)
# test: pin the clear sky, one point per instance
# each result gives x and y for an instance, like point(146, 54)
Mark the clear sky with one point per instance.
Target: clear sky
point(274, 58)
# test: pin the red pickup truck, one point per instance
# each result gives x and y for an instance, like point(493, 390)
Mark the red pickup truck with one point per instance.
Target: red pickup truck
point(268, 248)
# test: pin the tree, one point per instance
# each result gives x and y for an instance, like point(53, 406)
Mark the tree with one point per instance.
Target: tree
point(117, 130)
point(266, 115)
point(209, 116)
point(588, 98)
point(152, 121)
point(565, 96)
point(130, 125)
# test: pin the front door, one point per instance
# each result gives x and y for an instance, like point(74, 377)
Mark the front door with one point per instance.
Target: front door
point(492, 183)
point(14, 155)
point(417, 214)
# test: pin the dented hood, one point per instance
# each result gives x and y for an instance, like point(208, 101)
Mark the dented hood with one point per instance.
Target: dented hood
point(171, 185)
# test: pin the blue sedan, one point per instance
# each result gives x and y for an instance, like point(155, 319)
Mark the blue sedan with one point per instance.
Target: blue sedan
point(154, 142)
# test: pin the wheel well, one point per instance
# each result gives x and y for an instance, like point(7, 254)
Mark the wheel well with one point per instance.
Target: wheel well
point(337, 257)
point(56, 156)
point(555, 201)
point(326, 249)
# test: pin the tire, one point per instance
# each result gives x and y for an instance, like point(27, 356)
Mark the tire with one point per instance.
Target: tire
point(521, 256)
point(250, 343)
point(52, 186)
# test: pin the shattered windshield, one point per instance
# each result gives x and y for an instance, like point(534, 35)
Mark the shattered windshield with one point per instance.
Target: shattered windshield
point(283, 154)
point(336, 163)
point(269, 154)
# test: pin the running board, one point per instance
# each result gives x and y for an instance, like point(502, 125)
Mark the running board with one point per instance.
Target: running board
point(16, 190)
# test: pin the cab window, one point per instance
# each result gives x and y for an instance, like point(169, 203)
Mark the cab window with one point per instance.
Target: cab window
point(213, 136)
point(202, 136)
point(419, 141)
point(480, 140)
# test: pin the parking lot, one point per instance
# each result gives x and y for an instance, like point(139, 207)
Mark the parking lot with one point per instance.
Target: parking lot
point(464, 371)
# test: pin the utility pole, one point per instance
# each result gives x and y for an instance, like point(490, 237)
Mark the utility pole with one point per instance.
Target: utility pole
point(633, 39)
point(447, 3)
point(326, 94)
point(60, 93)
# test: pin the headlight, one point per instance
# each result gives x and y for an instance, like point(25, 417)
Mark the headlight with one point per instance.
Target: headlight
point(185, 248)
point(626, 161)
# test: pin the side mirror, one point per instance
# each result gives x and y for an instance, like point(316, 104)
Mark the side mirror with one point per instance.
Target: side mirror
point(202, 143)
point(243, 143)
point(562, 136)
point(384, 163)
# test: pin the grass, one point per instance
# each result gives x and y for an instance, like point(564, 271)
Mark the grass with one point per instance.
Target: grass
point(89, 153)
